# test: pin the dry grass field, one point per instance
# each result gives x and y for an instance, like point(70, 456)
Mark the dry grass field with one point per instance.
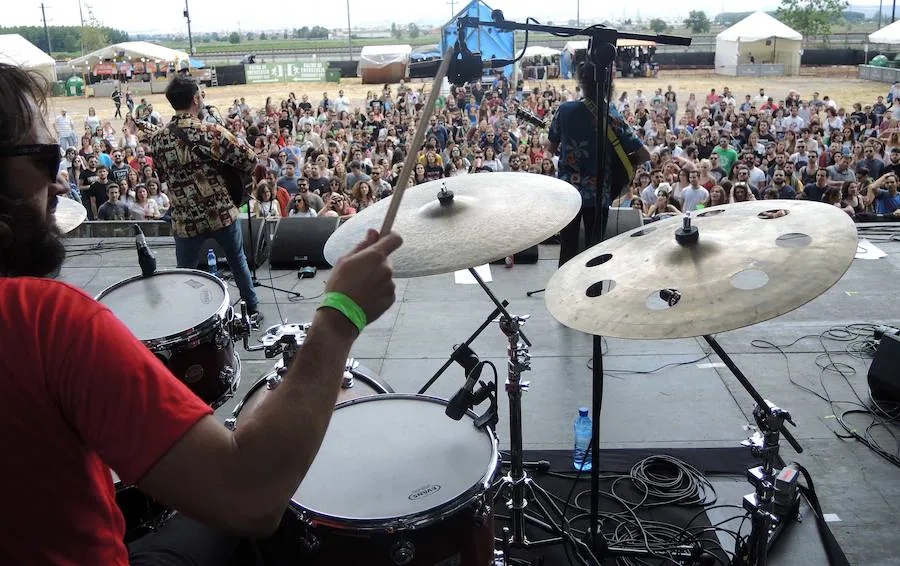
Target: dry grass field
point(837, 83)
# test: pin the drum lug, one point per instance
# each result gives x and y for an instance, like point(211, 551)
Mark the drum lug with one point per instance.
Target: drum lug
point(273, 381)
point(222, 339)
point(347, 381)
point(226, 374)
point(309, 543)
point(403, 552)
point(482, 512)
point(231, 423)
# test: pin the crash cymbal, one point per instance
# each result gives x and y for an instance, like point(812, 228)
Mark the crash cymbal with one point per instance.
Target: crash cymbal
point(490, 217)
point(745, 268)
point(68, 214)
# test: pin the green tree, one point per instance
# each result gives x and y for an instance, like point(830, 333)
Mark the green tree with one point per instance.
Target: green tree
point(413, 31)
point(811, 17)
point(263, 36)
point(657, 25)
point(93, 34)
point(234, 37)
point(396, 31)
point(697, 21)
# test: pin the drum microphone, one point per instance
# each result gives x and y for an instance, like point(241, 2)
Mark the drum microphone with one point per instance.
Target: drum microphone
point(146, 258)
point(462, 401)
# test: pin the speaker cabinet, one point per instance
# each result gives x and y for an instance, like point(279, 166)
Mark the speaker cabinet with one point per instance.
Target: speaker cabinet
point(884, 373)
point(301, 241)
point(257, 254)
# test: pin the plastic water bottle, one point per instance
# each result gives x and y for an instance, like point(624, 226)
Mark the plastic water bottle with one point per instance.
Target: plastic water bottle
point(582, 456)
point(211, 262)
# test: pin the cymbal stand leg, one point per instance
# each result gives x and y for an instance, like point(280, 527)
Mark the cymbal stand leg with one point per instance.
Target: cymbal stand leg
point(764, 444)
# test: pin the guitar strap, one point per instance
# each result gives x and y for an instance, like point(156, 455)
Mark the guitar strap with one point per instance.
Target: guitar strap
point(613, 139)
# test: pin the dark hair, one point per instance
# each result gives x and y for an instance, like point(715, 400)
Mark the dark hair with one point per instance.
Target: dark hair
point(586, 79)
point(102, 168)
point(291, 162)
point(23, 96)
point(181, 92)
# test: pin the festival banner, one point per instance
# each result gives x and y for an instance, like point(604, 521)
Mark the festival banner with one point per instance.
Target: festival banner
point(104, 69)
point(260, 73)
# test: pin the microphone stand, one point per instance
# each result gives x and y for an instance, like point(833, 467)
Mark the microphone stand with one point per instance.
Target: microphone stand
point(253, 280)
point(602, 53)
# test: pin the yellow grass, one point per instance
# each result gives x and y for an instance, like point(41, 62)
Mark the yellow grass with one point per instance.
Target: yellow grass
point(843, 88)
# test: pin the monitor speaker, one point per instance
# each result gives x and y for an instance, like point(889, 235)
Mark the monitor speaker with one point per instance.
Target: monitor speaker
point(300, 242)
point(262, 238)
point(884, 373)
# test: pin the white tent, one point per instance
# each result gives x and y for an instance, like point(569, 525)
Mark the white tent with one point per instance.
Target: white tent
point(16, 50)
point(133, 51)
point(383, 63)
point(763, 37)
point(888, 34)
point(538, 51)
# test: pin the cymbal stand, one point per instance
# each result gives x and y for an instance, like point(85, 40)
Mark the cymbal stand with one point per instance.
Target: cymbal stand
point(768, 519)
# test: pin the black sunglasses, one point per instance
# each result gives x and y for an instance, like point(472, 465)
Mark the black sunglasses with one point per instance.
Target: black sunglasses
point(45, 156)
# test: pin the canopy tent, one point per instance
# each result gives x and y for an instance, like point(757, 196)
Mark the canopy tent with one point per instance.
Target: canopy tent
point(383, 63)
point(490, 41)
point(18, 51)
point(538, 51)
point(763, 37)
point(888, 34)
point(132, 51)
point(426, 52)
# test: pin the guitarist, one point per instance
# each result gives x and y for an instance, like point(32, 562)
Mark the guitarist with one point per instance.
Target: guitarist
point(573, 138)
point(200, 162)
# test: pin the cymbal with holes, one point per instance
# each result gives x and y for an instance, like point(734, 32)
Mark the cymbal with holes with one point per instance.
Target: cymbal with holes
point(490, 217)
point(746, 267)
point(68, 214)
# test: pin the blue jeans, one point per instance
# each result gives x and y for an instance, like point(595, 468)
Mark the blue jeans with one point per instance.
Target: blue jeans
point(187, 254)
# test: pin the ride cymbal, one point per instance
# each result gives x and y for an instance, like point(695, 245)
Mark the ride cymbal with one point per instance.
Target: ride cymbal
point(746, 267)
point(68, 214)
point(489, 217)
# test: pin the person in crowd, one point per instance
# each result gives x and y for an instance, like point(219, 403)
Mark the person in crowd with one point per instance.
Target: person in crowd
point(264, 203)
point(65, 130)
point(662, 205)
point(113, 208)
point(155, 193)
point(851, 201)
point(336, 205)
point(815, 191)
point(201, 205)
point(717, 195)
point(362, 197)
point(694, 194)
point(300, 207)
point(144, 208)
point(89, 397)
point(885, 201)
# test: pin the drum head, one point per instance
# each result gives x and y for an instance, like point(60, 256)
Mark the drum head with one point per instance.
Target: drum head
point(167, 303)
point(392, 456)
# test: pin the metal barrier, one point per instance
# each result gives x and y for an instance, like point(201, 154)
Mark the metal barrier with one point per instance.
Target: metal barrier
point(881, 74)
point(120, 229)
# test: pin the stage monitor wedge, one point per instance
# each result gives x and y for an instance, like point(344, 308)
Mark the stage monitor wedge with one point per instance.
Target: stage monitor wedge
point(300, 242)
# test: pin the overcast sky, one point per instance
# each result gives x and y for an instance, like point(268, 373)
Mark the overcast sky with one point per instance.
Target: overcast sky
point(136, 16)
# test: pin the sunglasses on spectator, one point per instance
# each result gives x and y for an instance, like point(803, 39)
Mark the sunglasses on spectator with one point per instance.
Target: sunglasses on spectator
point(44, 156)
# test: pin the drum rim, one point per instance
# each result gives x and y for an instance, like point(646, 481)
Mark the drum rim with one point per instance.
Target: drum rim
point(412, 521)
point(219, 317)
point(378, 386)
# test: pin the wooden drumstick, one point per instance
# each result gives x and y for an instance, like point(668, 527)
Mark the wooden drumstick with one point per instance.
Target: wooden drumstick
point(412, 155)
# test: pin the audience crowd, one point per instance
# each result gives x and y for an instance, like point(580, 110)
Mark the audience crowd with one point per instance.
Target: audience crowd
point(326, 156)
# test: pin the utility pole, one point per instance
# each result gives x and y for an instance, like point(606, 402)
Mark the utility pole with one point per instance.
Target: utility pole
point(81, 15)
point(349, 34)
point(46, 30)
point(452, 7)
point(893, 11)
point(187, 15)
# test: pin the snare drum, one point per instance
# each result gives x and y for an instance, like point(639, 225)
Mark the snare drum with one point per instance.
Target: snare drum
point(397, 482)
point(356, 384)
point(182, 316)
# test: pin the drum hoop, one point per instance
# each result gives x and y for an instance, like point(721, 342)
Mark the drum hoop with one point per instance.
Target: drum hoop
point(380, 388)
point(222, 314)
point(412, 521)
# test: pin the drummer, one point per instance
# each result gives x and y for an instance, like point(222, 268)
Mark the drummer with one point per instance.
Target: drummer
point(82, 395)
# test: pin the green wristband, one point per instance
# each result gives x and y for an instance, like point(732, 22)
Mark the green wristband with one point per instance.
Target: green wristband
point(346, 306)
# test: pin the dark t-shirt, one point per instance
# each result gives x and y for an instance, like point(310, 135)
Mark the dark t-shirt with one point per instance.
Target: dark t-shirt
point(119, 173)
point(114, 211)
point(286, 123)
point(433, 172)
point(320, 184)
point(814, 192)
point(289, 183)
point(88, 177)
point(98, 190)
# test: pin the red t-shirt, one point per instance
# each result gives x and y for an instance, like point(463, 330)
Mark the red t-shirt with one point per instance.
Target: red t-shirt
point(80, 395)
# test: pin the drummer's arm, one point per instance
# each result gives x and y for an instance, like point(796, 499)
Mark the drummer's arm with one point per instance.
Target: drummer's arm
point(243, 481)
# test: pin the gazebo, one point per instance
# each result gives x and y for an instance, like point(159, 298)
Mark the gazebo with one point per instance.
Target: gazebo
point(16, 50)
point(758, 45)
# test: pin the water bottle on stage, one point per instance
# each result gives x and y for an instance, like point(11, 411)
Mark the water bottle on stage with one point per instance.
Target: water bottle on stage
point(582, 457)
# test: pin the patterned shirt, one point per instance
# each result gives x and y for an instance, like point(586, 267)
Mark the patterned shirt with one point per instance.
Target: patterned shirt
point(200, 202)
point(574, 128)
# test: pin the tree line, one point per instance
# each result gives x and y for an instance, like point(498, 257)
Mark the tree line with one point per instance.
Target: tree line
point(67, 39)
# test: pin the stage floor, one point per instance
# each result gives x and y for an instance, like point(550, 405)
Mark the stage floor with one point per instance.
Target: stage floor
point(694, 405)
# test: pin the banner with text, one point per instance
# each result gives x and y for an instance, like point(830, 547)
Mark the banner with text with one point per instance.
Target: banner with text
point(260, 73)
